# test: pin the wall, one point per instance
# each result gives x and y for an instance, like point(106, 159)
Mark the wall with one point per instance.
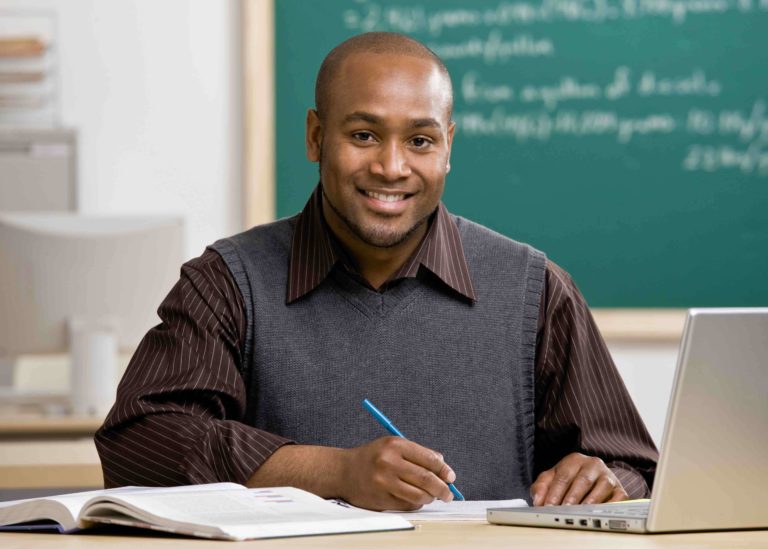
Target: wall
point(648, 370)
point(154, 92)
point(153, 89)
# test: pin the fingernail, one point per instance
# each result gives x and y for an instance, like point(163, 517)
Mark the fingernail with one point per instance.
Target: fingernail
point(451, 476)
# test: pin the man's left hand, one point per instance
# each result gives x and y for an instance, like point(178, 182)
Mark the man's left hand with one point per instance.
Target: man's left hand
point(577, 479)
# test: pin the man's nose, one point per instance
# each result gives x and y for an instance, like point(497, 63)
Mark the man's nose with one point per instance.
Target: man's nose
point(391, 162)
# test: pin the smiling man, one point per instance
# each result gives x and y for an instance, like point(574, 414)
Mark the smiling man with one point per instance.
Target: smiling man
point(478, 347)
point(382, 134)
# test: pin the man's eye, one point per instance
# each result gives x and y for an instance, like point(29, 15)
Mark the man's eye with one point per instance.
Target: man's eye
point(421, 142)
point(363, 136)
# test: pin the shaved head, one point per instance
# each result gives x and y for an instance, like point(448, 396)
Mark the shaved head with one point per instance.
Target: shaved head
point(377, 43)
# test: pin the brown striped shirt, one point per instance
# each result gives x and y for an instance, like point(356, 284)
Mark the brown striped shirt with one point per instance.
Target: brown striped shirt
point(177, 419)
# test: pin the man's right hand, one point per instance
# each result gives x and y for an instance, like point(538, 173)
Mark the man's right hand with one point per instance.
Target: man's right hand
point(388, 473)
point(395, 473)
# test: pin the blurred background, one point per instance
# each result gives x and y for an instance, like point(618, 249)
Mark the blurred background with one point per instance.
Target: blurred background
point(131, 110)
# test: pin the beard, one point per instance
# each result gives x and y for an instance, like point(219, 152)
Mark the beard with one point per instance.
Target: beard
point(378, 236)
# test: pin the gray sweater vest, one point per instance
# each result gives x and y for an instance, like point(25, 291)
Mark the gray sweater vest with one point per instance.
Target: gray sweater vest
point(454, 376)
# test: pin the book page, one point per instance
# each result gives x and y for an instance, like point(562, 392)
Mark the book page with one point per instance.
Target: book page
point(239, 514)
point(62, 508)
point(254, 506)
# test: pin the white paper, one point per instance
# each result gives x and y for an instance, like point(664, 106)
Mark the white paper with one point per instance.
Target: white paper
point(459, 510)
point(455, 510)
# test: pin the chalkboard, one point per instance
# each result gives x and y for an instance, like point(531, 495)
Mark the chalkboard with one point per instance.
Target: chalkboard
point(628, 139)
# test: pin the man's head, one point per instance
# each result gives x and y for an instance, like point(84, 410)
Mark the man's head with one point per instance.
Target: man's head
point(378, 43)
point(382, 133)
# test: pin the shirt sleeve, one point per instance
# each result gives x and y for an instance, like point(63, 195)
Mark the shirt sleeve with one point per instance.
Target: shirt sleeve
point(178, 417)
point(582, 404)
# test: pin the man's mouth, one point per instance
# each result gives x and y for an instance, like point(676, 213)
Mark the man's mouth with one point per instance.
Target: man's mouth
point(384, 197)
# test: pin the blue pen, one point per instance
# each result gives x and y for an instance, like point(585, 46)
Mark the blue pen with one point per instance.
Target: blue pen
point(389, 426)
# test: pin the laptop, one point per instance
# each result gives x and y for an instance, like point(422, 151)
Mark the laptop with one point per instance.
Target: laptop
point(713, 468)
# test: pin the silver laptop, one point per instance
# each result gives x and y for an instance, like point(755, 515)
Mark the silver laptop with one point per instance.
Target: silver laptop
point(713, 468)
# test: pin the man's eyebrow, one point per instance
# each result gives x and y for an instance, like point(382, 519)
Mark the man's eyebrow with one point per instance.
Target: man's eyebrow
point(425, 123)
point(362, 116)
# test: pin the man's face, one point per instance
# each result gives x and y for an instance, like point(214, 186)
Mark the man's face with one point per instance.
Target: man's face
point(383, 148)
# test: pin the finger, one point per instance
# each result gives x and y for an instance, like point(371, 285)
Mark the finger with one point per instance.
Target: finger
point(425, 480)
point(581, 484)
point(430, 460)
point(602, 490)
point(540, 487)
point(393, 502)
point(402, 505)
point(445, 473)
point(411, 495)
point(619, 494)
point(561, 482)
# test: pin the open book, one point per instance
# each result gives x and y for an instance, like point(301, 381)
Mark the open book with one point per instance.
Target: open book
point(218, 511)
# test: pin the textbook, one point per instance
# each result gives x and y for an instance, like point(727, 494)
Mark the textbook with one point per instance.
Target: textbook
point(217, 511)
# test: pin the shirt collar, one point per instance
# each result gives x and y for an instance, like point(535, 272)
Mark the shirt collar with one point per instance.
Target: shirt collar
point(313, 253)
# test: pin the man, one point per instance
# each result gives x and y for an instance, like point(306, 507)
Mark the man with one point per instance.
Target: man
point(484, 353)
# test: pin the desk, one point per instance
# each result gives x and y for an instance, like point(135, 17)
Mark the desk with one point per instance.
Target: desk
point(50, 464)
point(446, 535)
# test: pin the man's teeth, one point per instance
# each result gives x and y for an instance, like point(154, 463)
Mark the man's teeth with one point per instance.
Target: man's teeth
point(386, 197)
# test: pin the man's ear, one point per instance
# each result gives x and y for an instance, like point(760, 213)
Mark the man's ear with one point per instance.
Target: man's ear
point(451, 131)
point(314, 136)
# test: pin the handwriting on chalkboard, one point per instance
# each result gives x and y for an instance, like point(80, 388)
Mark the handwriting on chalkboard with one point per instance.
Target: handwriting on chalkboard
point(372, 16)
point(494, 48)
point(475, 89)
point(623, 102)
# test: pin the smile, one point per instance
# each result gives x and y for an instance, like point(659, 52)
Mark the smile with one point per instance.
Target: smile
point(385, 197)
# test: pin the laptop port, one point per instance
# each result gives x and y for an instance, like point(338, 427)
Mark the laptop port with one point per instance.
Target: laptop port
point(569, 521)
point(617, 524)
point(583, 522)
point(597, 524)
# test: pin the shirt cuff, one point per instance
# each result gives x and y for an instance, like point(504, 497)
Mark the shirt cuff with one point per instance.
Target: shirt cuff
point(631, 480)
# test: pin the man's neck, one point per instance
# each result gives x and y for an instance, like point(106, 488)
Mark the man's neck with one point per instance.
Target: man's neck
point(374, 264)
point(377, 265)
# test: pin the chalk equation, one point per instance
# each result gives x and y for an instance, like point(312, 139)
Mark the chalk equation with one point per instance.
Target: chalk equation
point(581, 69)
point(415, 19)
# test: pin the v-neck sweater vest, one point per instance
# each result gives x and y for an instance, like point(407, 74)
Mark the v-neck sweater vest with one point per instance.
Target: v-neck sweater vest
point(453, 375)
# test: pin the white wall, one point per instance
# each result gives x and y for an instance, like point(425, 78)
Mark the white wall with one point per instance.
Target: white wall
point(648, 370)
point(153, 89)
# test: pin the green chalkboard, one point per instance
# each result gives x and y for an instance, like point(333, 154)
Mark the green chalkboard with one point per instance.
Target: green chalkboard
point(628, 139)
